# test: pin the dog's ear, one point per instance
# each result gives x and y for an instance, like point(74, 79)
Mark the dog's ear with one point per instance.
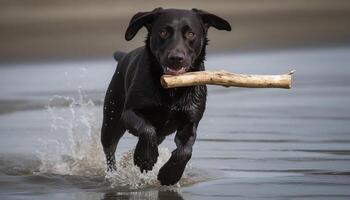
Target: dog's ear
point(213, 20)
point(139, 20)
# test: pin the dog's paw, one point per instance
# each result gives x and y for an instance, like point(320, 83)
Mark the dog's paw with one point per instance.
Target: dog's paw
point(110, 161)
point(111, 168)
point(146, 153)
point(172, 170)
point(170, 173)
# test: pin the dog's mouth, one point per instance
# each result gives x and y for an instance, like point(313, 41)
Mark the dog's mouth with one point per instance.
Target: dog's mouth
point(174, 71)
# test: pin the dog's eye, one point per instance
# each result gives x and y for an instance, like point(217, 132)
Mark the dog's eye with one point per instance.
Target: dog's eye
point(189, 35)
point(163, 34)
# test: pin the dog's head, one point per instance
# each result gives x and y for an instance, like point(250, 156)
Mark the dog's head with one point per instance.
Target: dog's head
point(176, 37)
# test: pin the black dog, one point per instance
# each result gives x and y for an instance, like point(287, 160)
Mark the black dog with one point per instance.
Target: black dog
point(135, 100)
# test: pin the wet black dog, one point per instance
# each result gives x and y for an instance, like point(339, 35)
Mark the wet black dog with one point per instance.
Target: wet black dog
point(135, 100)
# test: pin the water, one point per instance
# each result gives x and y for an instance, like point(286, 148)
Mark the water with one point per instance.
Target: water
point(252, 143)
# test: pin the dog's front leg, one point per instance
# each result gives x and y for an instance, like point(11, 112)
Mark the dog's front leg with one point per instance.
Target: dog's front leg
point(172, 170)
point(146, 151)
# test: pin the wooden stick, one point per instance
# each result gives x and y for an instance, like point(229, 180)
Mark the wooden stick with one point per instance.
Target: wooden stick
point(227, 79)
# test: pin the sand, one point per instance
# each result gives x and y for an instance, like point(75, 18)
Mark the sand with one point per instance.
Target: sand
point(36, 30)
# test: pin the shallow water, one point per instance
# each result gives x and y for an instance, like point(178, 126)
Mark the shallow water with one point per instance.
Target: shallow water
point(252, 143)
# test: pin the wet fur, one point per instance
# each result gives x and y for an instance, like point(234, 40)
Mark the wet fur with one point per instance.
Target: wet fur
point(135, 101)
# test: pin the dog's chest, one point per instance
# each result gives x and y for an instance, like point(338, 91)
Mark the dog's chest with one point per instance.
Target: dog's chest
point(187, 99)
point(165, 108)
point(166, 113)
point(184, 105)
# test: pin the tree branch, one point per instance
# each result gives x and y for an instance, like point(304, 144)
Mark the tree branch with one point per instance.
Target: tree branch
point(228, 79)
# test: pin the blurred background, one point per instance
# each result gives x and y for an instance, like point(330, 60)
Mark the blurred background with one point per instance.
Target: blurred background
point(39, 30)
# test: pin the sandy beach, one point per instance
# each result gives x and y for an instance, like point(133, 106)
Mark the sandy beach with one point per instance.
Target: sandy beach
point(76, 30)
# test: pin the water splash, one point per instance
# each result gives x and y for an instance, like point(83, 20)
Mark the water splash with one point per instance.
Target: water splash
point(129, 174)
point(76, 148)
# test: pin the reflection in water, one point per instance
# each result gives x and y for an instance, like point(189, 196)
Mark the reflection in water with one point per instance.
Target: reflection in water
point(144, 195)
point(170, 195)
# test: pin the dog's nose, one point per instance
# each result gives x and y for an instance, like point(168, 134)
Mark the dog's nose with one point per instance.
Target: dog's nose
point(176, 57)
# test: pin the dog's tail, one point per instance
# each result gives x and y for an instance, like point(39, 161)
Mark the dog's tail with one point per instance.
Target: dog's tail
point(118, 55)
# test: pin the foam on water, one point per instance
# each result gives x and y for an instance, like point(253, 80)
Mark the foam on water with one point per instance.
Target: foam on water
point(76, 149)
